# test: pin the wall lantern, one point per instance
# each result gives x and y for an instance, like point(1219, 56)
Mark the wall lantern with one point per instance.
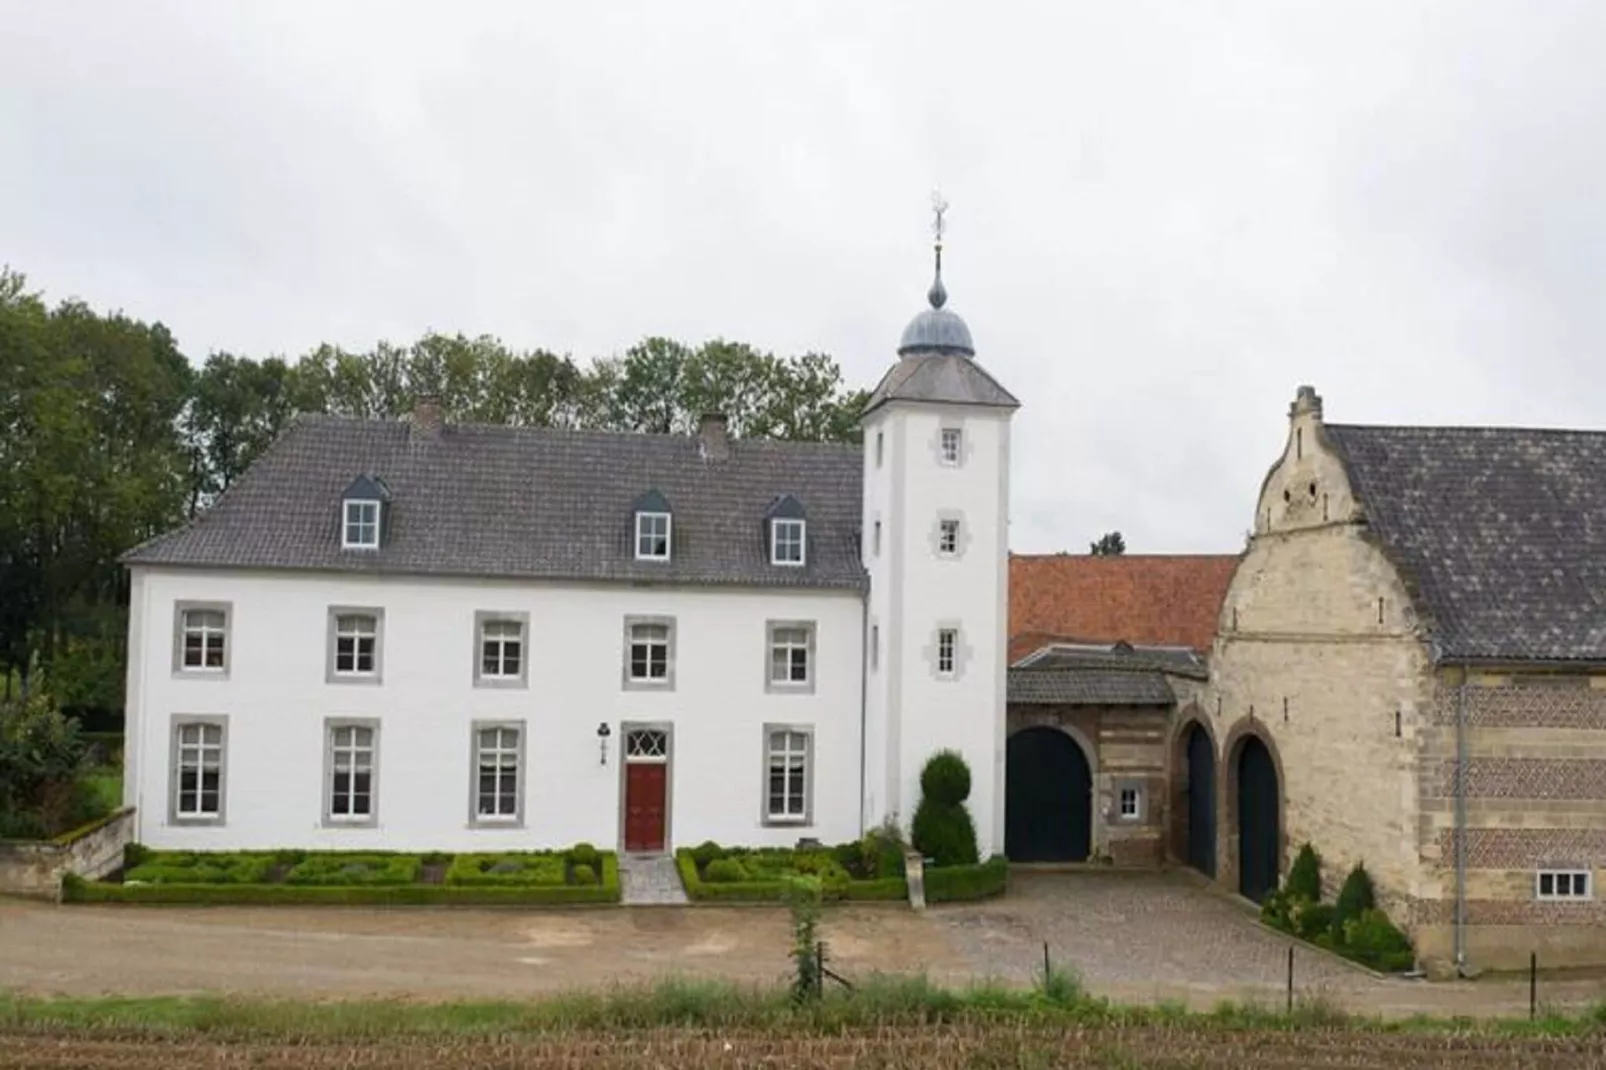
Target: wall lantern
point(603, 732)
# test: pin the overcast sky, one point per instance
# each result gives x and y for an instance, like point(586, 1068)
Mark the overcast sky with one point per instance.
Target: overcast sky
point(1165, 216)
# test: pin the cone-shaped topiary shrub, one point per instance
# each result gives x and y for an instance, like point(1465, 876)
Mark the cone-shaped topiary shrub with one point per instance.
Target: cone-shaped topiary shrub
point(943, 830)
point(1354, 899)
point(1305, 876)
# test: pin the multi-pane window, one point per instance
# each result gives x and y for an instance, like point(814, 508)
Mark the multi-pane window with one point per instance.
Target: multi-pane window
point(947, 648)
point(501, 649)
point(496, 763)
point(652, 536)
point(205, 635)
point(787, 758)
point(1130, 807)
point(649, 652)
point(952, 445)
point(647, 745)
point(356, 642)
point(786, 541)
point(351, 772)
point(1564, 884)
point(789, 654)
point(198, 771)
point(361, 526)
point(948, 537)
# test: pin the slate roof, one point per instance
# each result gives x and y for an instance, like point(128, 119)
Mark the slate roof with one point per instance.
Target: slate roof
point(1058, 687)
point(1159, 600)
point(1174, 660)
point(1500, 533)
point(528, 502)
point(942, 377)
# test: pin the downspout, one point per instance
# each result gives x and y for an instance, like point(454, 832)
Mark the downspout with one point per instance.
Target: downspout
point(1461, 824)
point(864, 698)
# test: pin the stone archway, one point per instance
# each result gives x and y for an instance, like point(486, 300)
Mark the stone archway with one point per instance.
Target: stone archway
point(1254, 804)
point(1048, 797)
point(1194, 797)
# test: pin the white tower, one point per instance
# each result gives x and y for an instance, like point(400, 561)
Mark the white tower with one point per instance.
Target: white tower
point(936, 505)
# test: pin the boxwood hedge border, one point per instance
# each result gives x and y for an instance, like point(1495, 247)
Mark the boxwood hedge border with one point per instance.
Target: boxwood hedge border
point(949, 884)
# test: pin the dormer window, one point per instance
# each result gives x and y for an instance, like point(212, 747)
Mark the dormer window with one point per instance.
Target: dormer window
point(786, 542)
point(362, 514)
point(653, 528)
point(362, 526)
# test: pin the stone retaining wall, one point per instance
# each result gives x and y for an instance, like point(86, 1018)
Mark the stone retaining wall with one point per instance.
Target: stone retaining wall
point(35, 867)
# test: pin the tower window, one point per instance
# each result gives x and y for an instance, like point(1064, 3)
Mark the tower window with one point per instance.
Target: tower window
point(952, 445)
point(879, 444)
point(947, 646)
point(948, 538)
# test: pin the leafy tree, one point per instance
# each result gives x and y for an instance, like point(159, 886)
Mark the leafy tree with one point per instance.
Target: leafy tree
point(1110, 544)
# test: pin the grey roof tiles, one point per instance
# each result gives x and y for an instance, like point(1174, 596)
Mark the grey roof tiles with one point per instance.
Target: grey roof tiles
point(942, 377)
point(1088, 687)
point(528, 502)
point(1499, 532)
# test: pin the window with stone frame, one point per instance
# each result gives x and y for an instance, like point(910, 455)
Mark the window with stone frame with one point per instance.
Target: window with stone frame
point(198, 770)
point(501, 649)
point(498, 755)
point(948, 537)
point(356, 644)
point(351, 773)
point(947, 651)
point(649, 652)
point(205, 636)
point(787, 757)
point(791, 655)
point(1564, 884)
point(953, 445)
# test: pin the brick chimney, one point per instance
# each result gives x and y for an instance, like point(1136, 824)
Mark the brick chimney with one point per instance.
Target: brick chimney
point(427, 419)
point(713, 441)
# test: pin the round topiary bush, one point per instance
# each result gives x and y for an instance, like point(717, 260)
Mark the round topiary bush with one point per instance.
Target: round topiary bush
point(945, 779)
point(706, 852)
point(583, 854)
point(942, 829)
point(584, 874)
point(724, 871)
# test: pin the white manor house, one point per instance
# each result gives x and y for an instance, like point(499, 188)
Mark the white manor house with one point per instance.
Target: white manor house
point(414, 635)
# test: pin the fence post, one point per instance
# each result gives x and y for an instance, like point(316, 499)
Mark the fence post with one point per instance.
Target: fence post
point(1533, 985)
point(1048, 971)
point(1290, 978)
point(819, 969)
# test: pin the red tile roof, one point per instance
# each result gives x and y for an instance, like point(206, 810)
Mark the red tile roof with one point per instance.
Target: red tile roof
point(1161, 600)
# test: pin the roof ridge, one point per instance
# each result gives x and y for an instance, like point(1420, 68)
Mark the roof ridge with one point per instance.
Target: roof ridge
point(1482, 428)
point(553, 430)
point(1058, 554)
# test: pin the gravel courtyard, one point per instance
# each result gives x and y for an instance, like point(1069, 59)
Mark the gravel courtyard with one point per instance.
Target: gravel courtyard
point(1133, 937)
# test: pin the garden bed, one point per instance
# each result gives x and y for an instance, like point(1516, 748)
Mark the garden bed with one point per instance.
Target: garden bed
point(580, 875)
point(861, 871)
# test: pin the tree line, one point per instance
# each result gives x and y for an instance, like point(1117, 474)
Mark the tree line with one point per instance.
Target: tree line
point(110, 434)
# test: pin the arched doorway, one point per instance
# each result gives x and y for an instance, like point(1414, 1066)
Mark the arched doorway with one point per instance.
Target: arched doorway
point(1200, 755)
point(1048, 797)
point(1259, 824)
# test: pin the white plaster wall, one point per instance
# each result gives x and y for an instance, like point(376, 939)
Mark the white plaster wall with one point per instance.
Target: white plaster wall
point(917, 590)
point(277, 699)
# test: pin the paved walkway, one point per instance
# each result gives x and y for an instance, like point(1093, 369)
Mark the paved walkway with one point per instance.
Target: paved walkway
point(650, 880)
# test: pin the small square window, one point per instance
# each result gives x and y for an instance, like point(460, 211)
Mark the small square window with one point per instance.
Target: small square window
point(652, 536)
point(786, 541)
point(205, 635)
point(947, 650)
point(791, 656)
point(952, 445)
point(499, 656)
point(649, 652)
point(361, 526)
point(356, 644)
point(948, 538)
point(1131, 804)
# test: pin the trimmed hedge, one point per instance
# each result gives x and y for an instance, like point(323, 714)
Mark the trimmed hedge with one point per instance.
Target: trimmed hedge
point(536, 869)
point(183, 867)
point(355, 870)
point(955, 884)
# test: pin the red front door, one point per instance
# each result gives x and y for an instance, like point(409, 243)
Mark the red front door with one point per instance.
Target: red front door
point(644, 805)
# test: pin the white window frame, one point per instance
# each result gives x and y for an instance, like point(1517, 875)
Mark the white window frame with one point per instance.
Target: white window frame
point(196, 750)
point(1572, 877)
point(951, 445)
point(948, 536)
point(789, 637)
point(643, 519)
point(505, 761)
point(350, 751)
point(360, 524)
point(667, 642)
point(484, 623)
point(355, 626)
point(213, 637)
point(1129, 793)
point(800, 757)
point(789, 524)
point(949, 638)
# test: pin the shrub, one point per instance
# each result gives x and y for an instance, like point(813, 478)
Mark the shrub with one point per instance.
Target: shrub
point(706, 852)
point(1354, 899)
point(724, 871)
point(1276, 910)
point(946, 778)
point(1305, 876)
point(583, 854)
point(1313, 920)
point(353, 870)
point(961, 883)
point(515, 870)
point(43, 758)
point(942, 828)
point(583, 875)
point(185, 867)
point(1374, 940)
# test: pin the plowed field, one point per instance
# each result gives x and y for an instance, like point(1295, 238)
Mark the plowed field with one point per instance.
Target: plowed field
point(931, 1048)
